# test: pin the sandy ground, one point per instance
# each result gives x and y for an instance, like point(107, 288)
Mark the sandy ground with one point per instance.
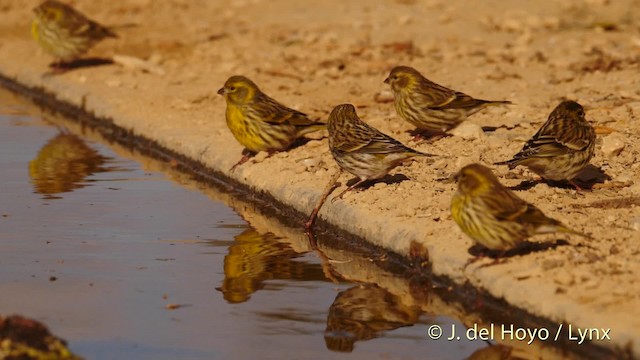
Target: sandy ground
point(313, 56)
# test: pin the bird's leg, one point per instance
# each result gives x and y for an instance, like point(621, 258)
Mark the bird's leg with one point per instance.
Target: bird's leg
point(430, 138)
point(327, 190)
point(418, 137)
point(473, 260)
point(498, 260)
point(246, 156)
point(578, 188)
point(339, 196)
point(270, 153)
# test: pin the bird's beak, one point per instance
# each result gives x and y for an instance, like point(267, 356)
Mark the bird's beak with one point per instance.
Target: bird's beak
point(221, 91)
point(386, 81)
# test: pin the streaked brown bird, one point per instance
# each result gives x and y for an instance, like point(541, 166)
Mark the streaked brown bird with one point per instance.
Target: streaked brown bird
point(493, 216)
point(259, 122)
point(562, 147)
point(428, 106)
point(361, 149)
point(64, 32)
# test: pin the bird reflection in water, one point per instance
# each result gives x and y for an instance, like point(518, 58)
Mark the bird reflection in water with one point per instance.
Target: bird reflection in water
point(256, 257)
point(364, 312)
point(62, 165)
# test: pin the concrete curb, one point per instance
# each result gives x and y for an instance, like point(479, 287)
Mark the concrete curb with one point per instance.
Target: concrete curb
point(446, 259)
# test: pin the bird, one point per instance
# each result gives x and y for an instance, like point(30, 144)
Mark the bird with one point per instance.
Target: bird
point(493, 216)
point(562, 147)
point(431, 107)
point(362, 150)
point(64, 32)
point(259, 122)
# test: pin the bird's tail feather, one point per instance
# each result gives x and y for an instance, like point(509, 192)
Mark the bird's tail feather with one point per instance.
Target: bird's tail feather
point(511, 163)
point(302, 130)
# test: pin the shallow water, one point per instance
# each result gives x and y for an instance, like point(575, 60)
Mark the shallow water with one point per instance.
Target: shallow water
point(126, 258)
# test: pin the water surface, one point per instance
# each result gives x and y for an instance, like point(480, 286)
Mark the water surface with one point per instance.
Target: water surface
point(127, 259)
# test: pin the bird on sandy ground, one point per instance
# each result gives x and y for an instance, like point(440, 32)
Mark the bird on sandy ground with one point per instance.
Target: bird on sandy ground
point(493, 216)
point(562, 147)
point(259, 122)
point(65, 33)
point(361, 150)
point(432, 108)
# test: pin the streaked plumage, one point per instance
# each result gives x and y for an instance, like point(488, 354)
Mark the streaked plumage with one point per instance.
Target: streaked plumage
point(429, 106)
point(562, 147)
point(64, 32)
point(365, 312)
point(260, 123)
point(492, 215)
point(361, 149)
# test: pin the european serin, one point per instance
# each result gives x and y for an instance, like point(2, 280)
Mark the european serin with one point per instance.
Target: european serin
point(561, 148)
point(431, 107)
point(362, 150)
point(492, 215)
point(260, 123)
point(64, 32)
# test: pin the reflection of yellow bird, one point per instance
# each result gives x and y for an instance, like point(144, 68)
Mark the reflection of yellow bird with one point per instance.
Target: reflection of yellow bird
point(363, 312)
point(257, 257)
point(62, 164)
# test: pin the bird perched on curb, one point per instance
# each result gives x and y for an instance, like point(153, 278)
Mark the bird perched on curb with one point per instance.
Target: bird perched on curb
point(361, 149)
point(428, 106)
point(493, 216)
point(562, 147)
point(64, 32)
point(260, 123)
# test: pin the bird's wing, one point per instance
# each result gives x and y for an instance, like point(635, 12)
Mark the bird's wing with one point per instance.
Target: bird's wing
point(383, 144)
point(557, 137)
point(515, 209)
point(575, 137)
point(366, 139)
point(506, 205)
point(457, 100)
point(275, 113)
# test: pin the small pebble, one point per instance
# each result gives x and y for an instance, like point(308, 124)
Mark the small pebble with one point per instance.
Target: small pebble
point(468, 131)
point(613, 144)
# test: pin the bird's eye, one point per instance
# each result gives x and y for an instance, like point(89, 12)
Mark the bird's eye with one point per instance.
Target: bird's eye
point(233, 88)
point(395, 77)
point(581, 113)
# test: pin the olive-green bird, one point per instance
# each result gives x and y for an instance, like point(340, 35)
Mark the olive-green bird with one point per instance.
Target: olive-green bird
point(493, 216)
point(64, 32)
point(361, 149)
point(259, 122)
point(562, 147)
point(428, 106)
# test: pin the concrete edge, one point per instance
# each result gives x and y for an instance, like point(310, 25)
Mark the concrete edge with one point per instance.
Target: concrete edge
point(345, 239)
